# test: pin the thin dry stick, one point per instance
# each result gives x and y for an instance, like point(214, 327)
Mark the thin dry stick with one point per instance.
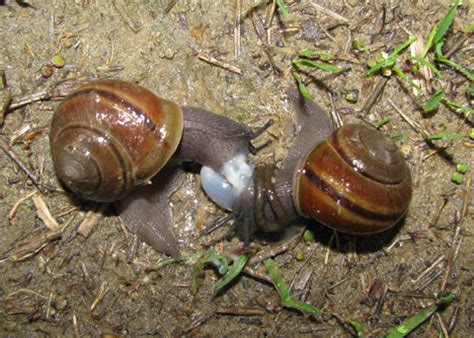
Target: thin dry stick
point(272, 252)
point(415, 125)
point(456, 47)
point(329, 12)
point(375, 94)
point(237, 29)
point(132, 25)
point(6, 148)
point(224, 65)
point(270, 15)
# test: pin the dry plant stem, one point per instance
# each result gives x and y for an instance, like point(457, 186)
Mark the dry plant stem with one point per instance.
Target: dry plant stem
point(415, 125)
point(466, 198)
point(456, 47)
point(274, 251)
point(442, 325)
point(170, 6)
point(375, 94)
point(103, 290)
point(91, 219)
point(256, 275)
point(456, 241)
point(429, 269)
point(453, 320)
point(240, 311)
point(29, 99)
point(6, 148)
point(128, 21)
point(270, 15)
point(32, 244)
point(77, 334)
point(224, 65)
point(329, 12)
point(237, 29)
point(12, 213)
point(334, 115)
point(199, 321)
point(44, 214)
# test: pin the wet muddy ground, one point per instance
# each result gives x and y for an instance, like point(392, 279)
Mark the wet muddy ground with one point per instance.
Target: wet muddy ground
point(66, 284)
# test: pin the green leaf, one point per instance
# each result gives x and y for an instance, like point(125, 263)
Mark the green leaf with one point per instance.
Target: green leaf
point(389, 62)
point(445, 136)
point(461, 168)
point(233, 272)
point(433, 102)
point(316, 64)
point(282, 289)
point(382, 122)
point(169, 261)
point(308, 236)
point(411, 323)
point(405, 77)
point(428, 64)
point(281, 5)
point(357, 327)
point(301, 85)
point(323, 55)
point(443, 26)
point(456, 106)
point(212, 257)
point(441, 58)
point(457, 178)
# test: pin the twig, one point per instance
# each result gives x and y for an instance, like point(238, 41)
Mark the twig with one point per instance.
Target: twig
point(6, 148)
point(415, 125)
point(12, 213)
point(270, 15)
point(224, 65)
point(329, 12)
point(132, 25)
point(44, 214)
point(456, 46)
point(375, 94)
point(91, 219)
point(283, 247)
point(237, 29)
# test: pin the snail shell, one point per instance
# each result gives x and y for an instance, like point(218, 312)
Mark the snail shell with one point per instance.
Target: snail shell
point(353, 180)
point(110, 136)
point(356, 181)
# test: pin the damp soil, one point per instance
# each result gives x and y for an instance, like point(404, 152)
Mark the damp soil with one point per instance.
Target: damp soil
point(72, 285)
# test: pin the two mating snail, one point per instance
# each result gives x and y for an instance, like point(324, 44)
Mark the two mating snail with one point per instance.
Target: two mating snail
point(109, 138)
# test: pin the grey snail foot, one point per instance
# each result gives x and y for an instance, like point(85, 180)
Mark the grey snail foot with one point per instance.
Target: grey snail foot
point(146, 211)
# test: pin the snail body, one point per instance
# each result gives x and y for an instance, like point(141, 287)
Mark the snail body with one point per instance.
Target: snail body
point(109, 138)
point(353, 179)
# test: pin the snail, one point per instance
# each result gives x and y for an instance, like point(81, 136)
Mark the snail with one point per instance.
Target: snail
point(109, 137)
point(353, 179)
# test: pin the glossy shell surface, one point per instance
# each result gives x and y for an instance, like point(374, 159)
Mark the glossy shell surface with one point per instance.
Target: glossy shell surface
point(110, 135)
point(355, 182)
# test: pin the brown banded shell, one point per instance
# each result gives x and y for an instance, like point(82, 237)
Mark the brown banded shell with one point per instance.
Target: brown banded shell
point(355, 182)
point(109, 136)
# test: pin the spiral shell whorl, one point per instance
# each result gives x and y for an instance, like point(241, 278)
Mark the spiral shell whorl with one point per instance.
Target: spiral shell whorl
point(109, 136)
point(355, 182)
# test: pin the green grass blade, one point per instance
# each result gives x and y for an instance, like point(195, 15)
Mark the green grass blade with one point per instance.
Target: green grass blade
point(211, 257)
point(433, 102)
point(405, 77)
point(323, 55)
point(382, 122)
point(445, 136)
point(232, 273)
point(316, 64)
point(391, 59)
point(357, 327)
point(456, 106)
point(281, 5)
point(283, 291)
point(413, 322)
point(301, 85)
point(427, 64)
point(443, 26)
